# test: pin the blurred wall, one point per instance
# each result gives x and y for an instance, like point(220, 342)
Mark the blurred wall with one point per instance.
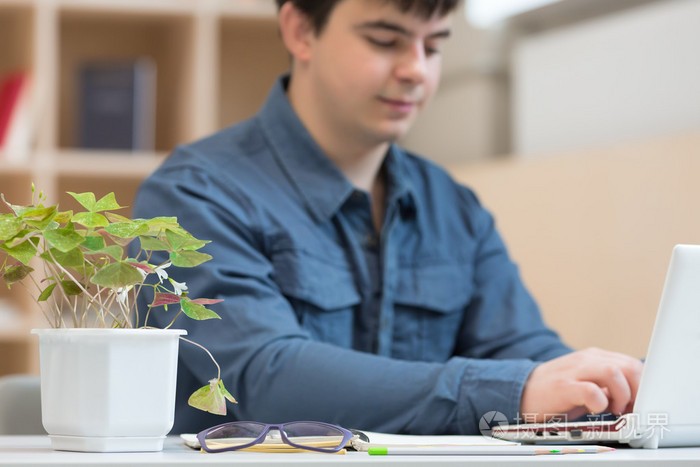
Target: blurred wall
point(623, 77)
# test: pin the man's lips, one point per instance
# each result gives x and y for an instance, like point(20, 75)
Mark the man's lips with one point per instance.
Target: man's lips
point(400, 105)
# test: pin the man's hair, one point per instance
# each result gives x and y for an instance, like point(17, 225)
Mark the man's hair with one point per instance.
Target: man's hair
point(319, 11)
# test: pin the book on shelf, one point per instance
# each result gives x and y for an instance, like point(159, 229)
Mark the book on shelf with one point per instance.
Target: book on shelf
point(16, 115)
point(117, 105)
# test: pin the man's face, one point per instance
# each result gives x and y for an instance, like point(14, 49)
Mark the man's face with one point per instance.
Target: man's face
point(373, 68)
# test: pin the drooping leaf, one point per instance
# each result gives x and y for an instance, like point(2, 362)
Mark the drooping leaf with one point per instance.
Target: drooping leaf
point(188, 258)
point(87, 200)
point(63, 217)
point(10, 226)
point(23, 252)
point(39, 217)
point(46, 293)
point(16, 273)
point(225, 392)
point(107, 203)
point(90, 219)
point(71, 288)
point(196, 311)
point(211, 398)
point(70, 259)
point(64, 239)
point(151, 243)
point(206, 301)
point(165, 299)
point(93, 242)
point(117, 275)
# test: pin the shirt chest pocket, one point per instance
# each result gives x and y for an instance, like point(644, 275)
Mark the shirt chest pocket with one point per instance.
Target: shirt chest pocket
point(429, 306)
point(322, 293)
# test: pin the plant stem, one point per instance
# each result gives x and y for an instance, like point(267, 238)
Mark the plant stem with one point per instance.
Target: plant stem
point(218, 368)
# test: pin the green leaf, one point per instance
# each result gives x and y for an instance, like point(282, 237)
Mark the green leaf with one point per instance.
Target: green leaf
point(211, 398)
point(21, 237)
point(39, 217)
point(16, 273)
point(10, 226)
point(197, 311)
point(71, 288)
point(188, 242)
point(117, 275)
point(188, 258)
point(151, 243)
point(107, 203)
point(159, 224)
point(15, 208)
point(63, 217)
point(23, 252)
point(53, 225)
point(116, 218)
point(91, 219)
point(64, 239)
point(93, 242)
point(126, 229)
point(115, 251)
point(87, 200)
point(46, 293)
point(70, 259)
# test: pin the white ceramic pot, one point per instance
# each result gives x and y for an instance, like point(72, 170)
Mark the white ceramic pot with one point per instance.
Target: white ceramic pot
point(108, 390)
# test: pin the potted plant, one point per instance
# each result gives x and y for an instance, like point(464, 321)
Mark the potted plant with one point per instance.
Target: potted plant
point(107, 383)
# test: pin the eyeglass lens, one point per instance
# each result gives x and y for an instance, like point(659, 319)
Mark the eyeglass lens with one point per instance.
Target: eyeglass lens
point(301, 434)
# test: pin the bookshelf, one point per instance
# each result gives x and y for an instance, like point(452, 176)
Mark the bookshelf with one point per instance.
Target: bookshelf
point(215, 61)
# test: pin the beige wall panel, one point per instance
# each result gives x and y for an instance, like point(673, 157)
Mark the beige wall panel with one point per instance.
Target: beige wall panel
point(593, 231)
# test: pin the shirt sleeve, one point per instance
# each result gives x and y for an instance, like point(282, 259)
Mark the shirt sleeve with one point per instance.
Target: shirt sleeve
point(502, 320)
point(273, 367)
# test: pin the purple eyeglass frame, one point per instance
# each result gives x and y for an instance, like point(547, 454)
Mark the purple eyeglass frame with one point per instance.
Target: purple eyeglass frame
point(201, 436)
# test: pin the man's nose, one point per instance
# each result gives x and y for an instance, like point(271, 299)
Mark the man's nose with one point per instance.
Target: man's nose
point(413, 64)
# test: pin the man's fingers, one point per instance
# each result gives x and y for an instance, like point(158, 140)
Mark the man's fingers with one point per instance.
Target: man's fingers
point(593, 380)
point(630, 367)
point(588, 395)
point(611, 377)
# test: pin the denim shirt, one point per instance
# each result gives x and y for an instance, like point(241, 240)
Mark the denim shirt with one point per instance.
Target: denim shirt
point(422, 328)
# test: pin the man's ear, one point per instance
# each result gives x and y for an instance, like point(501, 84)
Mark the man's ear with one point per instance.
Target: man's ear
point(296, 30)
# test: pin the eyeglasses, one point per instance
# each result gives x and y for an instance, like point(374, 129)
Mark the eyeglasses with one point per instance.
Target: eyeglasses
point(310, 436)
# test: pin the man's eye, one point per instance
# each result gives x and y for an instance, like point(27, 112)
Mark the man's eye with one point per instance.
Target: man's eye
point(432, 47)
point(382, 43)
point(431, 51)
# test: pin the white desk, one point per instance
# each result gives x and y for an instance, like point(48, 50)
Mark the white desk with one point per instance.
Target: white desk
point(35, 451)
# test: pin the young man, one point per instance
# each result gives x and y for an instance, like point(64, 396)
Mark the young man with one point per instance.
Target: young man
point(362, 285)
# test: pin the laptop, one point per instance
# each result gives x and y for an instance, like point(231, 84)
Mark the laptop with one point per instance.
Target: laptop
point(667, 409)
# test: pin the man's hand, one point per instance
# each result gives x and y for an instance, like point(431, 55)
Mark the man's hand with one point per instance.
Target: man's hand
point(587, 381)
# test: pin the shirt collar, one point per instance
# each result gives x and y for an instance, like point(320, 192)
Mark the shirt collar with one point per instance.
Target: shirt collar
point(322, 185)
